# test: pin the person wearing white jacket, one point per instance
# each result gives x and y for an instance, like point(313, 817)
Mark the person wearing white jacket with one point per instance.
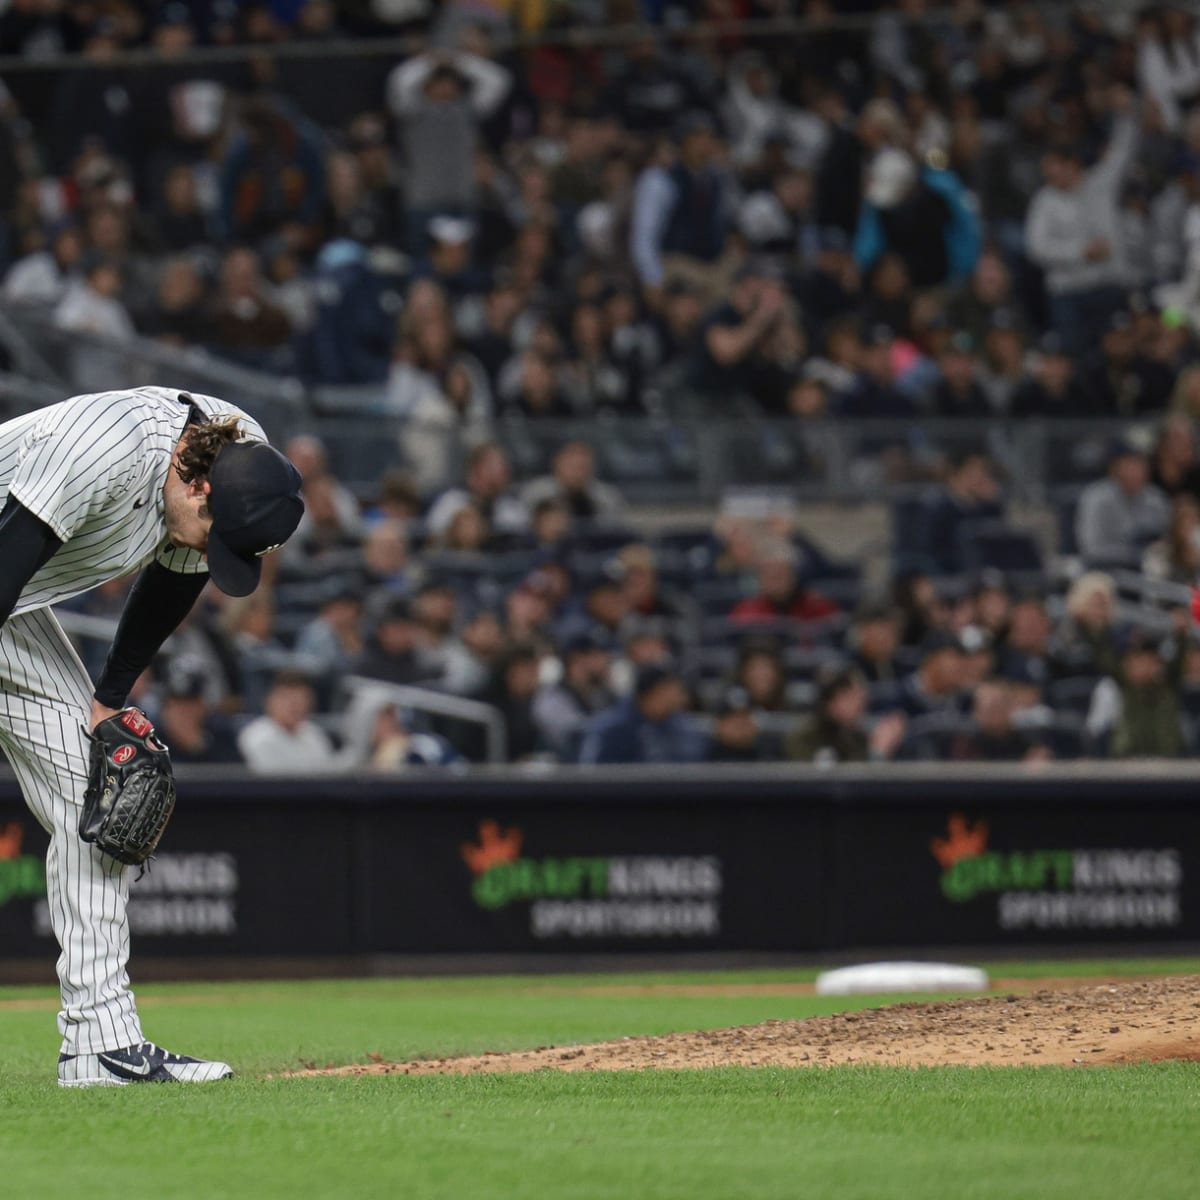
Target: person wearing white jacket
point(1073, 230)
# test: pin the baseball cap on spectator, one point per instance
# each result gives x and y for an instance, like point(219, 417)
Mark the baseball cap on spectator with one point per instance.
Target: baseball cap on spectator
point(880, 335)
point(650, 675)
point(186, 680)
point(1139, 640)
point(890, 177)
point(1126, 445)
point(396, 610)
point(451, 231)
point(585, 641)
point(1120, 321)
point(940, 641)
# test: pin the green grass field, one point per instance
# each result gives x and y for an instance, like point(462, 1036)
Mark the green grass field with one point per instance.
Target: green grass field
point(1012, 1133)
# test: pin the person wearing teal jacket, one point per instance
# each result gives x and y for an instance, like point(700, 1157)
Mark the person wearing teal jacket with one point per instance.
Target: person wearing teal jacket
point(923, 214)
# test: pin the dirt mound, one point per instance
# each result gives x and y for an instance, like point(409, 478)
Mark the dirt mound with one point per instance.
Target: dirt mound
point(1147, 1020)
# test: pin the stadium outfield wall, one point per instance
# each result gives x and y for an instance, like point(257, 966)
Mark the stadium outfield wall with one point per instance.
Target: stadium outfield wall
point(773, 860)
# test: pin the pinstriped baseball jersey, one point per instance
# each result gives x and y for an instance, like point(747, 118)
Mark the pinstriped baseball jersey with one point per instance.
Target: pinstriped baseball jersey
point(93, 468)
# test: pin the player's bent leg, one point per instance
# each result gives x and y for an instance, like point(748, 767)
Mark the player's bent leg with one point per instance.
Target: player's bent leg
point(44, 701)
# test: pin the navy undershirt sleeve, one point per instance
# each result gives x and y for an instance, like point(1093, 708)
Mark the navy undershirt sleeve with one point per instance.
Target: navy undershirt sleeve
point(158, 601)
point(27, 543)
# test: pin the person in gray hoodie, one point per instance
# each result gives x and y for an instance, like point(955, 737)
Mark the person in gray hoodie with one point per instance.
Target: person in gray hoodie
point(1073, 232)
point(439, 99)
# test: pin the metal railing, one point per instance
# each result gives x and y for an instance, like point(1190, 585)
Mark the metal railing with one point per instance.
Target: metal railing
point(363, 693)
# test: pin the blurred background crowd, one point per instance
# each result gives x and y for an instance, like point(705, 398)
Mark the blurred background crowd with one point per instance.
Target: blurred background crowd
point(586, 313)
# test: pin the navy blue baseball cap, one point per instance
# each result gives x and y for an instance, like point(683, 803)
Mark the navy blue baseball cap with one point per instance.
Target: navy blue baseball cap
point(256, 506)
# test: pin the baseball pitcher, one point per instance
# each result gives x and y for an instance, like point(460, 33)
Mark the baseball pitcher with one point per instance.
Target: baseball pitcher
point(180, 488)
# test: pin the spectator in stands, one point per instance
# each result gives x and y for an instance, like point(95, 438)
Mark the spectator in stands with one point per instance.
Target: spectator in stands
point(760, 673)
point(874, 392)
point(386, 565)
point(1174, 464)
point(397, 500)
point(452, 666)
point(969, 494)
point(651, 91)
point(991, 734)
point(1121, 381)
point(989, 290)
point(512, 689)
point(839, 731)
point(91, 306)
point(311, 459)
point(187, 724)
point(393, 651)
point(488, 486)
point(1176, 556)
point(651, 726)
point(1072, 233)
point(681, 213)
point(1118, 516)
point(573, 482)
point(736, 735)
point(1002, 372)
point(741, 339)
point(180, 223)
point(1085, 643)
point(936, 685)
point(561, 710)
point(1136, 711)
point(244, 321)
point(1168, 60)
point(778, 221)
point(332, 641)
point(781, 594)
point(645, 596)
point(920, 214)
point(439, 100)
point(273, 177)
point(180, 315)
point(43, 276)
point(285, 740)
point(249, 625)
point(1026, 645)
point(959, 391)
point(1052, 388)
point(395, 746)
point(874, 642)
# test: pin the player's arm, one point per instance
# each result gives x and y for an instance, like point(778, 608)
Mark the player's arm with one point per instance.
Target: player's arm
point(157, 603)
point(27, 543)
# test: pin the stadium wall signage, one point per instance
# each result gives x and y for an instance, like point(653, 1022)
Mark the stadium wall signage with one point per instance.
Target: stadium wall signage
point(827, 863)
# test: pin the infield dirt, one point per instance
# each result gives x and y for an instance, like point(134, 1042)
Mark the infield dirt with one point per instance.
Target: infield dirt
point(1115, 1022)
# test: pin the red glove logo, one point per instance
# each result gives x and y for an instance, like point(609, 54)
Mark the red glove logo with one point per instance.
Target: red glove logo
point(122, 754)
point(136, 722)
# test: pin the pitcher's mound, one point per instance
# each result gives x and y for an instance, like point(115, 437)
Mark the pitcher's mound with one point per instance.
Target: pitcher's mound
point(1144, 1021)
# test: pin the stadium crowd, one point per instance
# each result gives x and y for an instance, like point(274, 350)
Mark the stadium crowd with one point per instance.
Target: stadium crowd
point(986, 211)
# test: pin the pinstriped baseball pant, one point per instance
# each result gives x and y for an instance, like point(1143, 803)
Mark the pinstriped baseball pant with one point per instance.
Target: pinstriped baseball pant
point(45, 698)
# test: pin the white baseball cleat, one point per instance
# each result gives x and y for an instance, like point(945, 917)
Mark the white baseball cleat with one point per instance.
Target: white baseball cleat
point(144, 1063)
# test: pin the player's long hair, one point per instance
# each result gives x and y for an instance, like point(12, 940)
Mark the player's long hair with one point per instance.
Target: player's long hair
point(201, 446)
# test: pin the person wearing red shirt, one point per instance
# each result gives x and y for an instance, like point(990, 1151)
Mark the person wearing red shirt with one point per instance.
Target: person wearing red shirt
point(780, 594)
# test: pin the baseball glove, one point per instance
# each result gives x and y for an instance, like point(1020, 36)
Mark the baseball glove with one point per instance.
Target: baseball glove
point(131, 789)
